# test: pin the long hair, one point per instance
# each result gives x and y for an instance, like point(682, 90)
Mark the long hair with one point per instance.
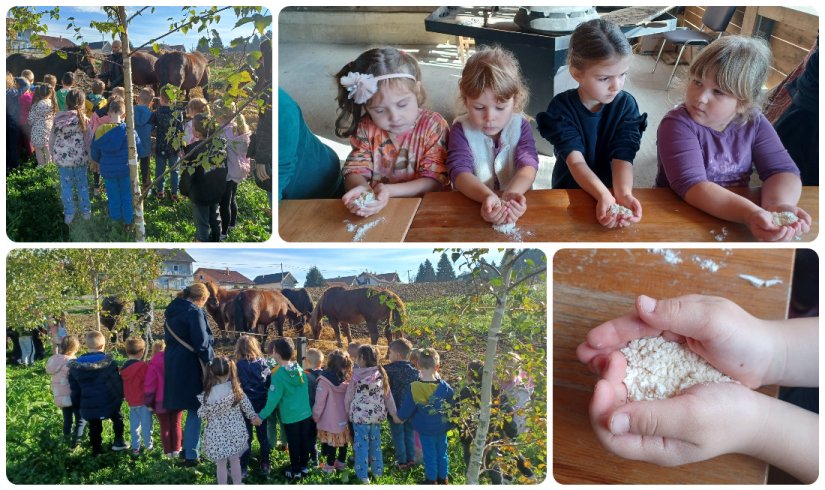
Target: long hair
point(594, 41)
point(339, 363)
point(45, 91)
point(196, 292)
point(76, 101)
point(221, 370)
point(495, 69)
point(247, 348)
point(369, 354)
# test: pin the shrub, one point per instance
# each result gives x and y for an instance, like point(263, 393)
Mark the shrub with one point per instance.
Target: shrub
point(34, 212)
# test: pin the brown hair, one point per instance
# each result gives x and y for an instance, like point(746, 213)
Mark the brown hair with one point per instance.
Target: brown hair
point(222, 367)
point(116, 105)
point(135, 346)
point(283, 347)
point(95, 340)
point(339, 362)
point(428, 359)
point(376, 62)
point(498, 70)
point(594, 41)
point(415, 356)
point(402, 347)
point(68, 79)
point(203, 125)
point(247, 348)
point(146, 95)
point(315, 357)
point(50, 79)
point(45, 92)
point(69, 345)
point(199, 105)
point(76, 100)
point(369, 354)
point(98, 86)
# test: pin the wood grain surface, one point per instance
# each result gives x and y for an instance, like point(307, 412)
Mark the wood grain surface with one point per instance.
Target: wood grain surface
point(326, 220)
point(593, 286)
point(561, 215)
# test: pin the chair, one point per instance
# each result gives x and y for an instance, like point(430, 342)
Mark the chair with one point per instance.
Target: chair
point(715, 18)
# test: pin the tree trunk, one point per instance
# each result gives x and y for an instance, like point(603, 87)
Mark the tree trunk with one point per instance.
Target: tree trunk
point(96, 287)
point(480, 440)
point(137, 199)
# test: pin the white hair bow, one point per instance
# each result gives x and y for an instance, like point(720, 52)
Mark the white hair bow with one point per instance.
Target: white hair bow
point(362, 86)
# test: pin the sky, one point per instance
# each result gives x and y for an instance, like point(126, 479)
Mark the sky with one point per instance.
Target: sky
point(331, 262)
point(146, 26)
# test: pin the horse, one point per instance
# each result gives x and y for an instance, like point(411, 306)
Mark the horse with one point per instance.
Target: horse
point(220, 305)
point(143, 69)
point(349, 306)
point(255, 309)
point(77, 58)
point(301, 301)
point(183, 70)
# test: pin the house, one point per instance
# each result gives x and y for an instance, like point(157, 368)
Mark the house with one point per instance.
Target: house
point(176, 272)
point(365, 279)
point(60, 42)
point(226, 278)
point(101, 47)
point(345, 281)
point(281, 280)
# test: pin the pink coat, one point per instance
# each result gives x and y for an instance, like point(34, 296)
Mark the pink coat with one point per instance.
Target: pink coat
point(153, 384)
point(328, 412)
point(58, 367)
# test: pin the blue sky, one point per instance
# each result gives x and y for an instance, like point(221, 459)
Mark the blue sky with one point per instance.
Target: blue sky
point(253, 262)
point(146, 26)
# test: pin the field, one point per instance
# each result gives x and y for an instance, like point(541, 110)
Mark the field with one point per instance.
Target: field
point(37, 454)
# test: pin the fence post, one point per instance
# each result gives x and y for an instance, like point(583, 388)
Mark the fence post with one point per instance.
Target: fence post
point(300, 350)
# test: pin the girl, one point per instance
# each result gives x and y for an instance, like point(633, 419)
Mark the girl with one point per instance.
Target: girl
point(237, 136)
point(57, 332)
point(398, 147)
point(58, 368)
point(68, 142)
point(223, 407)
point(41, 117)
point(169, 420)
point(491, 147)
point(253, 374)
point(367, 401)
point(596, 128)
point(329, 413)
point(718, 134)
point(196, 106)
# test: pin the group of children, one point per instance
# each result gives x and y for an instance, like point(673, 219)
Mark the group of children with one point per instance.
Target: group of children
point(81, 132)
point(708, 143)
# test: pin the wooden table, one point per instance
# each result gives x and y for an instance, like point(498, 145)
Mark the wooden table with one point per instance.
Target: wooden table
point(593, 286)
point(327, 220)
point(560, 215)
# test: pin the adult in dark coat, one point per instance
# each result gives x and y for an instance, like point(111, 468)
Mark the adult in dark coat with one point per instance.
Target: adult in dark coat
point(188, 350)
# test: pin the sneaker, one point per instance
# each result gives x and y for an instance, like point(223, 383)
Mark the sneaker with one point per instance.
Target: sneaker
point(119, 446)
point(244, 473)
point(338, 465)
point(175, 454)
point(224, 236)
point(365, 481)
point(304, 471)
point(136, 452)
point(68, 219)
point(150, 447)
point(442, 481)
point(190, 462)
point(327, 468)
point(173, 196)
point(265, 469)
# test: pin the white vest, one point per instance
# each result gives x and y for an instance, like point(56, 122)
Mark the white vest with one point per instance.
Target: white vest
point(487, 167)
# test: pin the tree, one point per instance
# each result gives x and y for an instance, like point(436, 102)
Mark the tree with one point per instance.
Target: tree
point(445, 271)
point(217, 42)
point(426, 273)
point(33, 287)
point(314, 279)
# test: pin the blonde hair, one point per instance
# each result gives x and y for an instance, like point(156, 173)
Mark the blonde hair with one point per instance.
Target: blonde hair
point(158, 346)
point(224, 111)
point(496, 69)
point(28, 75)
point(196, 292)
point(69, 345)
point(95, 340)
point(146, 95)
point(10, 81)
point(739, 66)
point(220, 368)
point(50, 79)
point(199, 105)
point(315, 357)
point(247, 348)
point(135, 346)
point(428, 358)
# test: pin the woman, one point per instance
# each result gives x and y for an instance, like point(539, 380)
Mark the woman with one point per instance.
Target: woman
point(188, 348)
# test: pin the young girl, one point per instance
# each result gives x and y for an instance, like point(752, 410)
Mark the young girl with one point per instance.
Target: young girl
point(41, 117)
point(596, 128)
point(68, 142)
point(58, 368)
point(223, 407)
point(237, 136)
point(196, 106)
point(398, 147)
point(491, 147)
point(368, 400)
point(718, 134)
point(169, 420)
point(253, 373)
point(329, 413)
point(57, 331)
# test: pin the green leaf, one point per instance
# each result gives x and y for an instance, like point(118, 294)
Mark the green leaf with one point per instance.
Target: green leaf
point(262, 22)
point(215, 52)
point(244, 20)
point(156, 47)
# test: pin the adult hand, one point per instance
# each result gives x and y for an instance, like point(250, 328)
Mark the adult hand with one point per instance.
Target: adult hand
point(603, 214)
point(517, 204)
point(260, 171)
point(761, 225)
point(630, 202)
point(493, 210)
point(740, 345)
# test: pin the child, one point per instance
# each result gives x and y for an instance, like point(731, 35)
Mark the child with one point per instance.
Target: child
point(596, 129)
point(98, 390)
point(312, 368)
point(41, 117)
point(95, 100)
point(143, 127)
point(169, 420)
point(58, 332)
point(401, 374)
point(205, 188)
point(368, 401)
point(68, 143)
point(329, 412)
point(66, 85)
point(426, 403)
point(352, 351)
point(196, 106)
point(50, 79)
point(714, 139)
point(110, 150)
point(288, 392)
point(166, 155)
point(237, 136)
point(133, 374)
point(223, 407)
point(491, 147)
point(58, 368)
point(254, 376)
point(29, 76)
point(398, 147)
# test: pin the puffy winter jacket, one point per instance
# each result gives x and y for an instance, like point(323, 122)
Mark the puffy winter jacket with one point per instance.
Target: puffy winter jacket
point(133, 374)
point(328, 412)
point(58, 368)
point(96, 385)
point(254, 378)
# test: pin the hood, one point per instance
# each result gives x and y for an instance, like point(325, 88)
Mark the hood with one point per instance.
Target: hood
point(332, 377)
point(292, 374)
point(87, 364)
point(65, 118)
point(132, 369)
point(179, 307)
point(335, 383)
point(112, 135)
point(22, 83)
point(369, 375)
point(56, 363)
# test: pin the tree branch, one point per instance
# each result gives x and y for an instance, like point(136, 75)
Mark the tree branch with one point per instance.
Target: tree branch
point(528, 276)
point(152, 41)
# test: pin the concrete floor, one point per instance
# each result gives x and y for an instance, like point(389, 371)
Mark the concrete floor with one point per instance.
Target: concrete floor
point(306, 71)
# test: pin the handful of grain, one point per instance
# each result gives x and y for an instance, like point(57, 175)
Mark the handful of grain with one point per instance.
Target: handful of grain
point(364, 199)
point(659, 369)
point(784, 218)
point(618, 209)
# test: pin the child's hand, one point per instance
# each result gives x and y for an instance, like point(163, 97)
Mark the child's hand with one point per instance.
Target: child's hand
point(517, 204)
point(493, 210)
point(761, 224)
point(397, 420)
point(630, 202)
point(801, 226)
point(94, 167)
point(260, 172)
point(732, 340)
point(256, 421)
point(382, 198)
point(603, 214)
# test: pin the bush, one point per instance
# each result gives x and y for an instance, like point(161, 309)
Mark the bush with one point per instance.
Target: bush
point(34, 212)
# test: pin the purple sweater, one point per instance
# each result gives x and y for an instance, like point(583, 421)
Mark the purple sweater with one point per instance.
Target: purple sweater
point(690, 153)
point(460, 157)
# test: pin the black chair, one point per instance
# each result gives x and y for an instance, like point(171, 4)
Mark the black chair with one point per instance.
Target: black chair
point(715, 18)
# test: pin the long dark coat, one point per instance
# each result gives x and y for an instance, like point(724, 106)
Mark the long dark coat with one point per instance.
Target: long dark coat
point(183, 378)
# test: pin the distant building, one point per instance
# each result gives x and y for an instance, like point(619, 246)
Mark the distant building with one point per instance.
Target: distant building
point(226, 278)
point(176, 272)
point(101, 47)
point(365, 279)
point(276, 281)
point(58, 42)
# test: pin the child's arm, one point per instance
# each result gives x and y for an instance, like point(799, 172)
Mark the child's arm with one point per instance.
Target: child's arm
point(273, 397)
point(321, 395)
point(781, 192)
point(389, 402)
point(492, 210)
point(408, 406)
point(590, 183)
point(249, 411)
point(350, 394)
point(623, 191)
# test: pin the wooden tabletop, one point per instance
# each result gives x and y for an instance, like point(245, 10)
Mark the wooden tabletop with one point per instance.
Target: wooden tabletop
point(560, 215)
point(327, 220)
point(593, 286)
